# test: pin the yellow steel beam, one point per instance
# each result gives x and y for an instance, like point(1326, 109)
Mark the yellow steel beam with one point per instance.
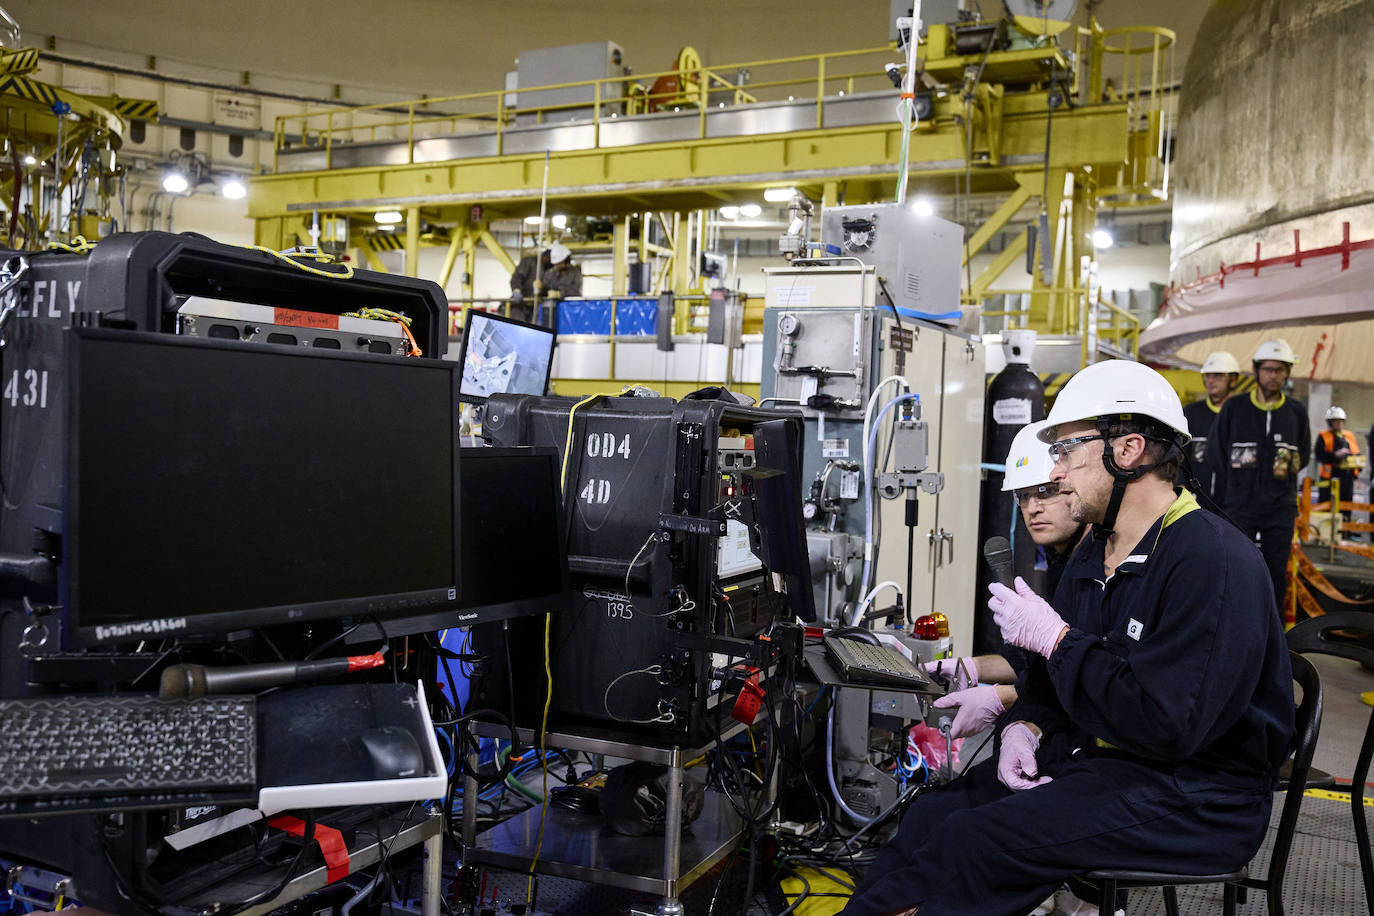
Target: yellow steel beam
point(451, 255)
point(1025, 187)
point(373, 260)
point(412, 268)
point(664, 173)
point(1015, 249)
point(620, 257)
point(498, 252)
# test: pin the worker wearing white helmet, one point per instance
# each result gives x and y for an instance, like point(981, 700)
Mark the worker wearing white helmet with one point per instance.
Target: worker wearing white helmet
point(1257, 447)
point(1157, 703)
point(556, 275)
point(1220, 373)
point(980, 685)
point(1338, 458)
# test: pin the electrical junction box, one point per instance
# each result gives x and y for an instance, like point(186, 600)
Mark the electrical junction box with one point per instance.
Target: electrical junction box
point(916, 257)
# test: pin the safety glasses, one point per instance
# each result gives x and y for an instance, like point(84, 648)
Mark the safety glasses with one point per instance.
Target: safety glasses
point(1061, 450)
point(1044, 491)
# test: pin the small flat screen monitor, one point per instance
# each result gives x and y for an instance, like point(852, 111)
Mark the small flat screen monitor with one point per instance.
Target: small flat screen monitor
point(214, 486)
point(504, 356)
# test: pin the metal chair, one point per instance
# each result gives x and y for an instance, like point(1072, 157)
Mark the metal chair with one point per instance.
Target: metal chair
point(1308, 721)
point(1334, 634)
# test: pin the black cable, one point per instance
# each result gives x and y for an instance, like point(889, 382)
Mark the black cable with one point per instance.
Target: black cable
point(334, 640)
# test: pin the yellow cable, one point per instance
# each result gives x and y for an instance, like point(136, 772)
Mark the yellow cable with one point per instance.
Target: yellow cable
point(548, 668)
point(345, 274)
point(79, 245)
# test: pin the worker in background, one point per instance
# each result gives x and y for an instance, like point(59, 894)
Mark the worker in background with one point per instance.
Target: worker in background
point(1157, 703)
point(1337, 455)
point(980, 686)
point(1257, 447)
point(522, 281)
point(1220, 373)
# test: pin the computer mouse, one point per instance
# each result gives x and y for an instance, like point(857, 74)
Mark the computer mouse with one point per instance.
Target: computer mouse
point(857, 634)
point(393, 751)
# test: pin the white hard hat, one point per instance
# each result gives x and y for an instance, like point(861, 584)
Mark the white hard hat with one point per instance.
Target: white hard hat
point(1113, 388)
point(1221, 362)
point(558, 253)
point(1335, 413)
point(1275, 348)
point(1029, 462)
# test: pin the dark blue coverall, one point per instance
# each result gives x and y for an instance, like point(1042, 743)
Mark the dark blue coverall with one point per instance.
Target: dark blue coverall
point(1166, 710)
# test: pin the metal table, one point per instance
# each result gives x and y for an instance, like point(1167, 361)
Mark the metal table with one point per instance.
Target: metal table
point(398, 833)
point(581, 846)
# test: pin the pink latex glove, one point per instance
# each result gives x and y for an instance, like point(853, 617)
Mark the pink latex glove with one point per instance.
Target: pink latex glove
point(1016, 766)
point(1026, 619)
point(979, 707)
point(962, 672)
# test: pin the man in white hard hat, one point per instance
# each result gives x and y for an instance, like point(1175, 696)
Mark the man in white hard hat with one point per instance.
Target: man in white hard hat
point(981, 685)
point(1157, 703)
point(1257, 447)
point(557, 275)
point(1338, 457)
point(1220, 373)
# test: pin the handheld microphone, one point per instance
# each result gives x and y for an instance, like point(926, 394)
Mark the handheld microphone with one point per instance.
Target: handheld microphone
point(198, 680)
point(997, 554)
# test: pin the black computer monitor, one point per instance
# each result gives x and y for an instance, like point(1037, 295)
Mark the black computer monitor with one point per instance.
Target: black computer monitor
point(515, 562)
point(214, 486)
point(504, 356)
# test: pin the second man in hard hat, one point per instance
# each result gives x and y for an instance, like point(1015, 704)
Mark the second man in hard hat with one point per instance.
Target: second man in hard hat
point(981, 685)
point(1220, 373)
point(1258, 446)
point(1157, 702)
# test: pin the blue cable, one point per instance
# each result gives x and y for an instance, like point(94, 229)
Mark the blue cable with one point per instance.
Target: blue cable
point(925, 316)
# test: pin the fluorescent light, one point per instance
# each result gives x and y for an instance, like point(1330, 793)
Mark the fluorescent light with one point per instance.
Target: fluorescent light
point(1102, 238)
point(29, 160)
point(174, 182)
point(560, 221)
point(388, 217)
point(234, 189)
point(729, 212)
point(750, 211)
point(923, 207)
point(532, 221)
point(779, 195)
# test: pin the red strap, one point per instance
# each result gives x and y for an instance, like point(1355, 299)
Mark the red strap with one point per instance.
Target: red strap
point(363, 662)
point(331, 842)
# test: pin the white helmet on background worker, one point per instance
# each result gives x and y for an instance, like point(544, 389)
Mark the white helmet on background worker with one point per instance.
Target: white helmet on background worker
point(1335, 413)
point(1275, 348)
point(558, 253)
point(1221, 363)
point(1029, 462)
point(1115, 388)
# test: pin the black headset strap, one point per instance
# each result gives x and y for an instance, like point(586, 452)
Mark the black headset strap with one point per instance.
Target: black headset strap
point(1121, 476)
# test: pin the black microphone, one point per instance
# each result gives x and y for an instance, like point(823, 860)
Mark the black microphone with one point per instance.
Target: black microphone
point(198, 680)
point(997, 554)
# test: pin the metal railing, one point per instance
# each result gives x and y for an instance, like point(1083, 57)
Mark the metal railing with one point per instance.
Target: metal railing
point(824, 75)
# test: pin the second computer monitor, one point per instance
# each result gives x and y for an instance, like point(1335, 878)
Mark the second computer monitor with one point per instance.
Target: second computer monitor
point(504, 356)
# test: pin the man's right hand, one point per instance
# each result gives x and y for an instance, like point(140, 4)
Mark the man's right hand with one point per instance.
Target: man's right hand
point(1016, 766)
point(979, 707)
point(958, 673)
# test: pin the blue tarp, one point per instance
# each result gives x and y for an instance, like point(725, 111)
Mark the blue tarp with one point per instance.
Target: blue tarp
point(584, 316)
point(636, 316)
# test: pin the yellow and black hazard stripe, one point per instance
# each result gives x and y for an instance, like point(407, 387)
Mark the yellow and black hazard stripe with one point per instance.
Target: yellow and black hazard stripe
point(141, 109)
point(32, 90)
point(24, 60)
point(385, 241)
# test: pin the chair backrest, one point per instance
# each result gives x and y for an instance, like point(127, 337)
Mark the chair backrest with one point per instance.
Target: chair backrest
point(1308, 722)
point(1348, 634)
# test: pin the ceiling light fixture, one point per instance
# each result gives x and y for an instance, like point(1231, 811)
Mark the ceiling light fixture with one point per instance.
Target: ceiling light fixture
point(388, 217)
point(779, 195)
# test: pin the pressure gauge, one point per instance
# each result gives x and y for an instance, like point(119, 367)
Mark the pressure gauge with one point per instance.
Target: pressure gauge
point(809, 510)
point(789, 324)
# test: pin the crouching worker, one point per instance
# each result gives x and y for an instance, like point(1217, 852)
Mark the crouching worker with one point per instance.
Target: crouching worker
point(1157, 702)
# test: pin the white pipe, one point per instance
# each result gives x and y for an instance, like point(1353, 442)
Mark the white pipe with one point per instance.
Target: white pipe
point(870, 445)
point(868, 599)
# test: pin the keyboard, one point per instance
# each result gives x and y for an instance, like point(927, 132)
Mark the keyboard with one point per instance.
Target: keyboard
point(869, 664)
point(80, 747)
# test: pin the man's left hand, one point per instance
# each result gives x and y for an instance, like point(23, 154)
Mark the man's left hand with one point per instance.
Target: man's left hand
point(1026, 619)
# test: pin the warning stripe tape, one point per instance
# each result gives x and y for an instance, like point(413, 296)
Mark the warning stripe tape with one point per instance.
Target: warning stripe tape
point(1335, 796)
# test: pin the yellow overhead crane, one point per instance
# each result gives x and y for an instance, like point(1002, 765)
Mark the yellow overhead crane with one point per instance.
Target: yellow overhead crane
point(1055, 122)
point(60, 147)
